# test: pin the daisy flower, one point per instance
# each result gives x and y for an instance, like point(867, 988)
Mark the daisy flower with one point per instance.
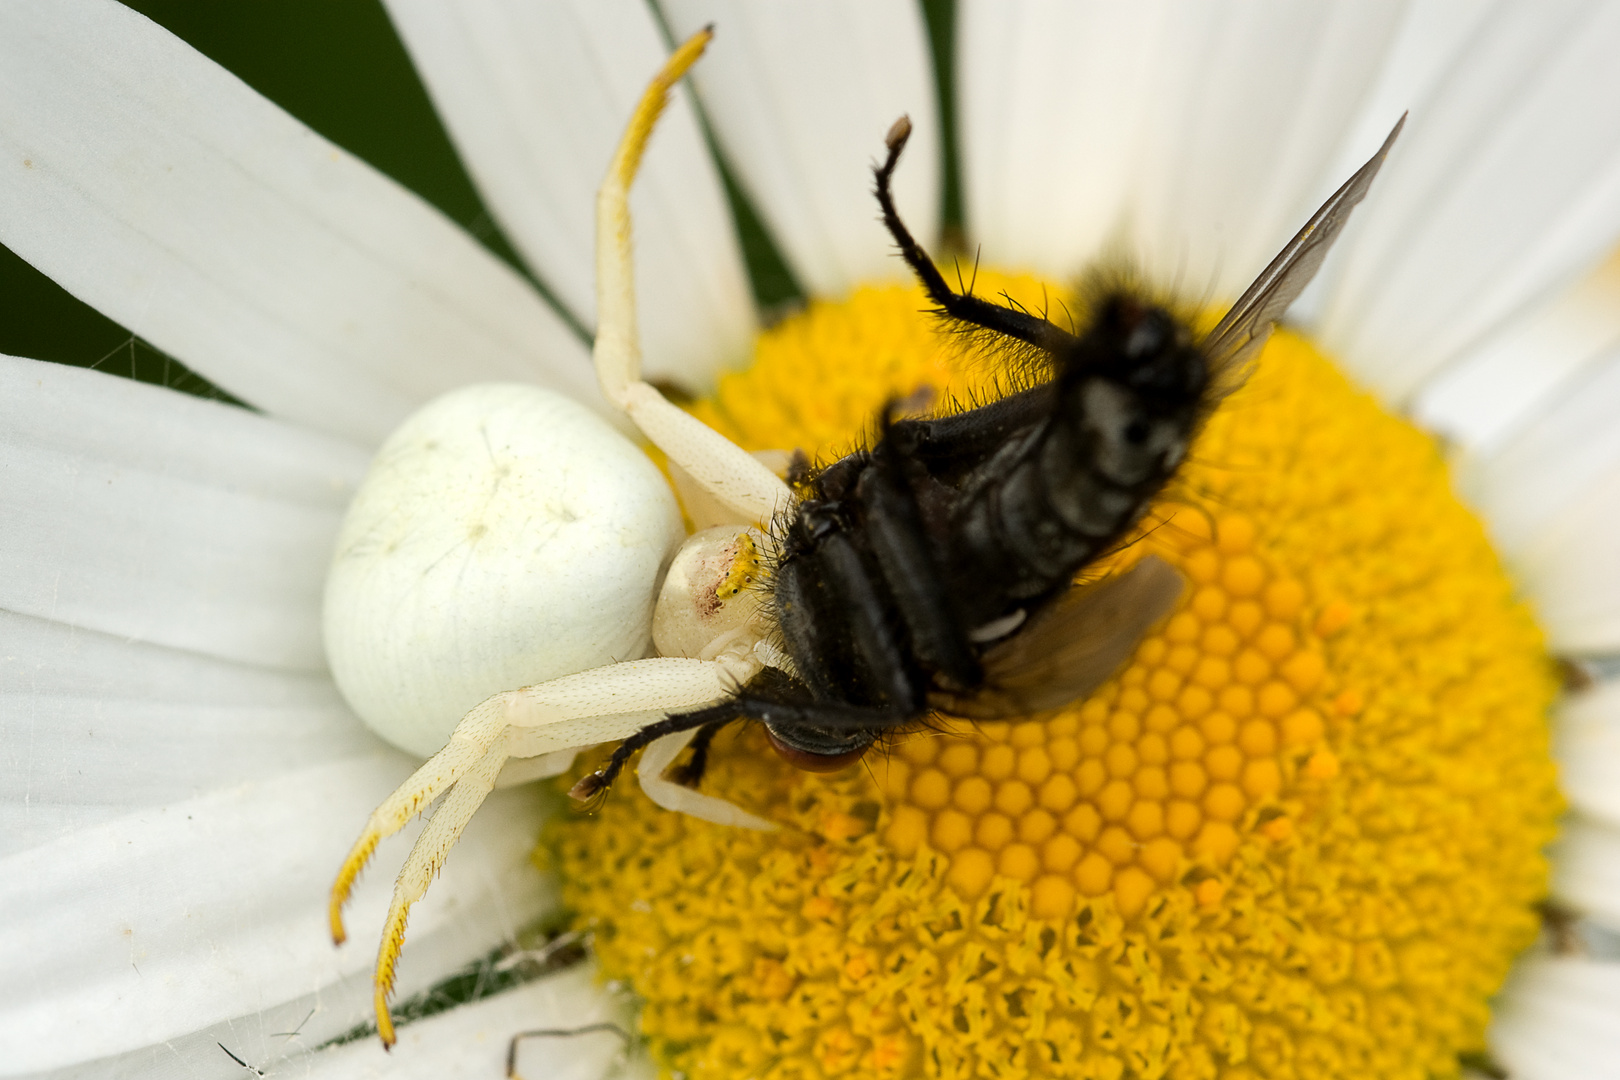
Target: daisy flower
point(181, 776)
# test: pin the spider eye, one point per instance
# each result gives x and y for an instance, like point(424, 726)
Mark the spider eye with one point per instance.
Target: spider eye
point(1136, 432)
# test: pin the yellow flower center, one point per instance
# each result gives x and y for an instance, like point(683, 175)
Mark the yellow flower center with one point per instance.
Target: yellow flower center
point(1299, 834)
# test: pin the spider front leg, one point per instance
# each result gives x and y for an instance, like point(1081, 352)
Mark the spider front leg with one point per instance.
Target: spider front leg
point(427, 857)
point(729, 472)
point(479, 733)
point(606, 704)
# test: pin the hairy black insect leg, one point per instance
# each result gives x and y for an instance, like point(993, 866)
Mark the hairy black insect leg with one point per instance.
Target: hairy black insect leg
point(950, 447)
point(1004, 320)
point(691, 774)
point(593, 784)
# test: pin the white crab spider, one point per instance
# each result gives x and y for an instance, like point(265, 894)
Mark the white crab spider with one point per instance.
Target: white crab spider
point(709, 644)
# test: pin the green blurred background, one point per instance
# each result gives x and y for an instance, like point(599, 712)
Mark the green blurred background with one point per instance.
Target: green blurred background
point(338, 66)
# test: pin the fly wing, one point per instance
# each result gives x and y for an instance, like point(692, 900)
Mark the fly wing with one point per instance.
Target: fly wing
point(1071, 647)
point(1242, 331)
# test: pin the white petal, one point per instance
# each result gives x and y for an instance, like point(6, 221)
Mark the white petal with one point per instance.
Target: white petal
point(471, 1041)
point(1249, 104)
point(1051, 99)
point(1556, 1020)
point(1588, 751)
point(1551, 492)
point(160, 517)
point(1573, 577)
point(800, 96)
point(1425, 47)
point(156, 186)
point(107, 740)
point(290, 1027)
point(1554, 457)
point(165, 921)
point(1520, 371)
point(1586, 869)
point(1505, 187)
point(536, 97)
point(93, 727)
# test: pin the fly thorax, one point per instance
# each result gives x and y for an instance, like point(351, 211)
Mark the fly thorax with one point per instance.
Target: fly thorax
point(1129, 443)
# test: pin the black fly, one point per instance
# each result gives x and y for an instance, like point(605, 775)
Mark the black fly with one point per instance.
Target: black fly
point(934, 571)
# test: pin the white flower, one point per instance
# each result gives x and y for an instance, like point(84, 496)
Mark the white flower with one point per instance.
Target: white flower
point(179, 776)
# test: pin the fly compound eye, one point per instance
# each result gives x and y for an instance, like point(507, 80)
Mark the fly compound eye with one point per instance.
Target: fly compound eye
point(818, 751)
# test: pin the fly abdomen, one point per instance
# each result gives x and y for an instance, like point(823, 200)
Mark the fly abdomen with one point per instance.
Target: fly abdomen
point(835, 608)
point(1010, 539)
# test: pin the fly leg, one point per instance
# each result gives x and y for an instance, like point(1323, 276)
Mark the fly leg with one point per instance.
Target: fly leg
point(691, 774)
point(970, 309)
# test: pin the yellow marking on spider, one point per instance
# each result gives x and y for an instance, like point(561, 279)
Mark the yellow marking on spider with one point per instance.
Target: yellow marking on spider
point(745, 569)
